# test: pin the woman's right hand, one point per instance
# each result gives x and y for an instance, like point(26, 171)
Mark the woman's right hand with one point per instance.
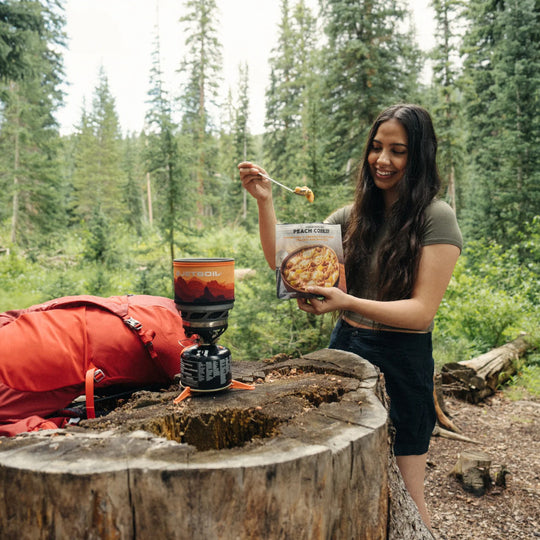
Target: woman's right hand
point(258, 187)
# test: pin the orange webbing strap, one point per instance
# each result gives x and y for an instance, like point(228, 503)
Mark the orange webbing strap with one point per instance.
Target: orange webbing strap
point(93, 374)
point(146, 336)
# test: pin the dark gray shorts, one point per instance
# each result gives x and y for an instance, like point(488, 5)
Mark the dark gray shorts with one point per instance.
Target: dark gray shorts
point(406, 360)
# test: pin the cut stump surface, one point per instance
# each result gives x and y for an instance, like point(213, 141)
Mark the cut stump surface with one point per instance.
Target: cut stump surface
point(304, 455)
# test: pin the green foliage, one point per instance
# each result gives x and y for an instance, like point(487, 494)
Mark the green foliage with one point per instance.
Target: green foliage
point(526, 382)
point(370, 61)
point(99, 239)
point(201, 66)
point(19, 286)
point(30, 76)
point(96, 213)
point(98, 179)
point(141, 265)
point(21, 24)
point(493, 296)
point(501, 81)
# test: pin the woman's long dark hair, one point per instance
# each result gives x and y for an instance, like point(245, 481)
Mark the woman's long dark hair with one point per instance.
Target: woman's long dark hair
point(398, 254)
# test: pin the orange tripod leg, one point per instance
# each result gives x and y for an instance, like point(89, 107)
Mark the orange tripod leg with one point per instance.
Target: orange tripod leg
point(242, 386)
point(184, 395)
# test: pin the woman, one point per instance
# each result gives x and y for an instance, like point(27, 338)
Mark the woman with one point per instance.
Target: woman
point(401, 245)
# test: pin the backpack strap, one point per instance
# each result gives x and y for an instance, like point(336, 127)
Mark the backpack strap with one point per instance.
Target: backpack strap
point(118, 305)
point(96, 375)
point(92, 375)
point(146, 336)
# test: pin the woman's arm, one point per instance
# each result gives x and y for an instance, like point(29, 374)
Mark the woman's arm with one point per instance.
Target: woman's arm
point(437, 263)
point(261, 189)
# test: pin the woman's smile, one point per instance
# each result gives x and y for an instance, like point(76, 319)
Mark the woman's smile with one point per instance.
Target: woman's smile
point(388, 157)
point(383, 174)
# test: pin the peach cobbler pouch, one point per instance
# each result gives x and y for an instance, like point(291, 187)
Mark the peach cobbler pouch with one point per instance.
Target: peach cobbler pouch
point(308, 254)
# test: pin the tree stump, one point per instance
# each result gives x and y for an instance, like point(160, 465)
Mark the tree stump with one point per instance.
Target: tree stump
point(473, 471)
point(304, 455)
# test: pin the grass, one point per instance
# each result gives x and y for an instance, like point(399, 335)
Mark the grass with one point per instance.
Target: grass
point(525, 385)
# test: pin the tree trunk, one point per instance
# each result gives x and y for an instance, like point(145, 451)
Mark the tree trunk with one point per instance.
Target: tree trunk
point(303, 455)
point(149, 199)
point(16, 172)
point(474, 380)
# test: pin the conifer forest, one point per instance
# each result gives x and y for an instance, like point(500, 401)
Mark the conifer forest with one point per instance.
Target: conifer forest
point(105, 212)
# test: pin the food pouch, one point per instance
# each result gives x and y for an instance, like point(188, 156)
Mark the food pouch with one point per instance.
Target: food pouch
point(308, 254)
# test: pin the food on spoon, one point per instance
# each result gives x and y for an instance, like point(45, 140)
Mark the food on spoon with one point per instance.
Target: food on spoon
point(304, 190)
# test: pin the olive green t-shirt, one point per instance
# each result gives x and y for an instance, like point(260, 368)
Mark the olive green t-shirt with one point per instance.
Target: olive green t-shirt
point(441, 227)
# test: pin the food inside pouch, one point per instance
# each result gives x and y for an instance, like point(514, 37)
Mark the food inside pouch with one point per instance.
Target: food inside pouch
point(316, 265)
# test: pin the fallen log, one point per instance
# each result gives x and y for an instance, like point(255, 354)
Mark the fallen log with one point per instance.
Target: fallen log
point(474, 380)
point(304, 455)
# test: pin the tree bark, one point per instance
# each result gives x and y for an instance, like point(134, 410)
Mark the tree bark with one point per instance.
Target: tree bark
point(304, 455)
point(474, 380)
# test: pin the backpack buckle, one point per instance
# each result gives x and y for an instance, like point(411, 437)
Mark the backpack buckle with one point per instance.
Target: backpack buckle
point(133, 323)
point(98, 375)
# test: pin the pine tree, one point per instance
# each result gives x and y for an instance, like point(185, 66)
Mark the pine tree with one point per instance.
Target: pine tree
point(201, 67)
point(20, 22)
point(502, 85)
point(244, 148)
point(243, 140)
point(280, 103)
point(164, 164)
point(370, 62)
point(98, 177)
point(133, 190)
point(29, 139)
point(447, 100)
point(235, 145)
point(287, 108)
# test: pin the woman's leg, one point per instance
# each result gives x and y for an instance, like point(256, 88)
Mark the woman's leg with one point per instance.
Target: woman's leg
point(413, 470)
point(415, 428)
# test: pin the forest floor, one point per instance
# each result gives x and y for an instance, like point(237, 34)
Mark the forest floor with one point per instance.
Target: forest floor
point(509, 432)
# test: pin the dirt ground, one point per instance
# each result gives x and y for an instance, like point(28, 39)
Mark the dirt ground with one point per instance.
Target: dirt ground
point(509, 432)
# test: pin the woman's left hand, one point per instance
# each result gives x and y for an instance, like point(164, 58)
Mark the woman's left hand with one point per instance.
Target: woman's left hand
point(328, 299)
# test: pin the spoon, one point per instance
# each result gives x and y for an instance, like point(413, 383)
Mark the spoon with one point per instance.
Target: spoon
point(304, 191)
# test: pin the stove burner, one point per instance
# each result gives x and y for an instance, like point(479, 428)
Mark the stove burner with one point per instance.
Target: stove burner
point(208, 322)
point(204, 294)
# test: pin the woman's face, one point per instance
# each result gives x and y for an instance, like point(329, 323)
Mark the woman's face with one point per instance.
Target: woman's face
point(387, 157)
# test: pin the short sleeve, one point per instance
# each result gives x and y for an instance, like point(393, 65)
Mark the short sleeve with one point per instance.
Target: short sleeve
point(441, 225)
point(340, 217)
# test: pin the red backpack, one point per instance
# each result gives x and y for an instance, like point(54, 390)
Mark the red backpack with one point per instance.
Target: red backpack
point(53, 352)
